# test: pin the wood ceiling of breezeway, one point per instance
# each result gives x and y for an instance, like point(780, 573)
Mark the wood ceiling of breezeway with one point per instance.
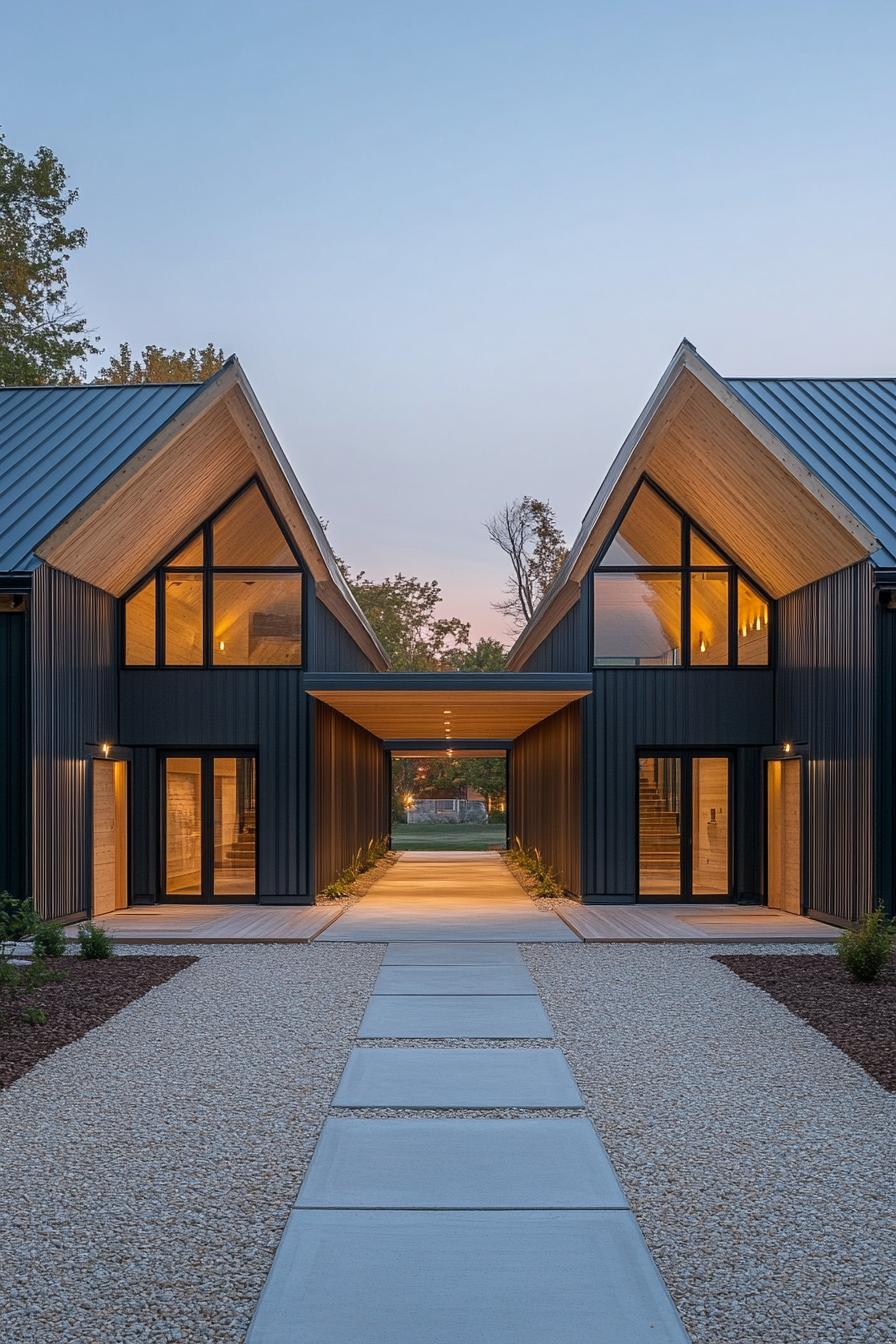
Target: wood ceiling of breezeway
point(424, 715)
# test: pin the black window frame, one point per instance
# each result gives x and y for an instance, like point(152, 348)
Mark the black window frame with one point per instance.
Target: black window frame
point(208, 569)
point(206, 757)
point(685, 570)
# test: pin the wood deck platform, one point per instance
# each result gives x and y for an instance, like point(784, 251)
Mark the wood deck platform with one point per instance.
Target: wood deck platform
point(198, 923)
point(680, 923)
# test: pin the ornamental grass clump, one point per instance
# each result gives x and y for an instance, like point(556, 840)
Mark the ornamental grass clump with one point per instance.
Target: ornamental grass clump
point(865, 950)
point(95, 943)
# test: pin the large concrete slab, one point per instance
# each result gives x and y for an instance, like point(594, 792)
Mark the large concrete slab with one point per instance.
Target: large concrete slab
point(454, 980)
point(413, 928)
point(492, 1016)
point(428, 1077)
point(521, 1277)
point(452, 954)
point(548, 1163)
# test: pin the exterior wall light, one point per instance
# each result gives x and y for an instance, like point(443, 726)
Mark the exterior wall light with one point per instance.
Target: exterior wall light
point(106, 748)
point(788, 747)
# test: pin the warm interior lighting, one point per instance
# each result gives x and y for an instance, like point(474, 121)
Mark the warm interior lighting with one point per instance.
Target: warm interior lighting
point(221, 645)
point(702, 642)
point(106, 748)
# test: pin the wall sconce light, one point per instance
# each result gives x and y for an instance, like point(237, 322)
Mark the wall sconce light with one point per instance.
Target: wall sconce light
point(221, 645)
point(788, 747)
point(702, 642)
point(106, 748)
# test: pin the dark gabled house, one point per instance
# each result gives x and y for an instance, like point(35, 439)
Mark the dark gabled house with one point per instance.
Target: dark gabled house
point(731, 595)
point(192, 706)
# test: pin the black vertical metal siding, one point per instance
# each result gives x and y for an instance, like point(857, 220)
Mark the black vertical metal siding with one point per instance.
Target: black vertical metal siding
point(328, 645)
point(825, 702)
point(641, 708)
point(885, 756)
point(74, 655)
point(260, 708)
point(15, 754)
point(565, 648)
point(351, 791)
point(545, 793)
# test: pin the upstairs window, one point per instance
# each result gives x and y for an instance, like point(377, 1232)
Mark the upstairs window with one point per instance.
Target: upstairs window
point(230, 596)
point(666, 596)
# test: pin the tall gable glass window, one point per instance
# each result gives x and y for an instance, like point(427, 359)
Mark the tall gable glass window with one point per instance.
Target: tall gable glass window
point(666, 596)
point(229, 596)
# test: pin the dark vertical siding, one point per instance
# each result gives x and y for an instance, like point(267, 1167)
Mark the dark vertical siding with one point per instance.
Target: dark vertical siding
point(74, 704)
point(15, 753)
point(329, 646)
point(644, 708)
point(351, 791)
point(825, 703)
point(545, 793)
point(264, 709)
point(564, 649)
point(885, 757)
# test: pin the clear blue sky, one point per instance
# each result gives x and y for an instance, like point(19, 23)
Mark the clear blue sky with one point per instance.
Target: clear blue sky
point(454, 244)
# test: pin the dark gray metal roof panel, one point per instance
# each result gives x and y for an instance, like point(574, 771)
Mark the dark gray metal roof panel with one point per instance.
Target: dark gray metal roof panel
point(58, 444)
point(844, 430)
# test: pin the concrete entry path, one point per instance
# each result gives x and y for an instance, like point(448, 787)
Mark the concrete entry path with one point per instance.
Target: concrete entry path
point(446, 1227)
point(450, 896)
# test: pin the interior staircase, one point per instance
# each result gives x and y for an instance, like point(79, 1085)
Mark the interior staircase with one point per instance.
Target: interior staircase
point(660, 834)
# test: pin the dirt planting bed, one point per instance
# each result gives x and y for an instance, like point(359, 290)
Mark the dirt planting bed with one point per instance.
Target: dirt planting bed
point(860, 1019)
point(88, 994)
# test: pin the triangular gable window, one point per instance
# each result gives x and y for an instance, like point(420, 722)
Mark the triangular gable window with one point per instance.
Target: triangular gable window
point(247, 533)
point(649, 533)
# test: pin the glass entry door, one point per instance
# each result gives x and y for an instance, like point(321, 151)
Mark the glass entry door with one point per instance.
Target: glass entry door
point(684, 836)
point(208, 827)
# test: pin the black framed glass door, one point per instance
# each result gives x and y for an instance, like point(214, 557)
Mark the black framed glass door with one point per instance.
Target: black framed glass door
point(684, 830)
point(209, 806)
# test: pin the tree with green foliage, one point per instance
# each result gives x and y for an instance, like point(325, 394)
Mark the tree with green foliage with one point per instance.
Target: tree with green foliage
point(402, 612)
point(486, 655)
point(527, 532)
point(43, 337)
point(158, 365)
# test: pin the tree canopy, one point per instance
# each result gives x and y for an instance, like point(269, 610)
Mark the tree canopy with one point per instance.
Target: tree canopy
point(158, 365)
point(402, 611)
point(43, 337)
point(527, 532)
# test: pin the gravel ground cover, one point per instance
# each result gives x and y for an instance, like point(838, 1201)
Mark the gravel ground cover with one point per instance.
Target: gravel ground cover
point(757, 1157)
point(860, 1019)
point(155, 1160)
point(87, 994)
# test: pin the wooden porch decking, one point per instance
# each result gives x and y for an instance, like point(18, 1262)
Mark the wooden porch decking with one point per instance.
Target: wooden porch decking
point(196, 923)
point(692, 923)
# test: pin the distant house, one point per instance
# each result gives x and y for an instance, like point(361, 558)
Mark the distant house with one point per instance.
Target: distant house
point(192, 706)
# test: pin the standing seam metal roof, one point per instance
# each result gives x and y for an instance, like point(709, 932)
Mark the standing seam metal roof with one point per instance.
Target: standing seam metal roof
point(843, 430)
point(58, 444)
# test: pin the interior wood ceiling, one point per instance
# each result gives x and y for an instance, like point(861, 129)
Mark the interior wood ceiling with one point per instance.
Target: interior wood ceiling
point(420, 715)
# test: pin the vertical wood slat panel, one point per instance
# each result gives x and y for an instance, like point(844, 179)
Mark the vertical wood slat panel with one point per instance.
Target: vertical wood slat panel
point(545, 793)
point(74, 703)
point(825, 701)
point(351, 791)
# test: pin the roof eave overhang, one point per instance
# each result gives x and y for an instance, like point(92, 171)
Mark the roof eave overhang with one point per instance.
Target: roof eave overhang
point(231, 388)
point(667, 400)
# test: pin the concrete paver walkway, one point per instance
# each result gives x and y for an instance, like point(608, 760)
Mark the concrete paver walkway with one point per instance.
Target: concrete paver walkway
point(448, 896)
point(447, 1229)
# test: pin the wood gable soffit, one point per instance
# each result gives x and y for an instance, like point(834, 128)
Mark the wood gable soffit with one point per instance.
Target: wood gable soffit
point(720, 463)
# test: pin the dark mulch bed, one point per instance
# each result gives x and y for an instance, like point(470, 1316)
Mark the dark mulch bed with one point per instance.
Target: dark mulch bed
point(860, 1019)
point(89, 994)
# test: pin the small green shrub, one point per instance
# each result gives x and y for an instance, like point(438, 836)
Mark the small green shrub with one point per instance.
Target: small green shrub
point(94, 942)
point(866, 949)
point(497, 817)
point(17, 918)
point(34, 1016)
point(49, 940)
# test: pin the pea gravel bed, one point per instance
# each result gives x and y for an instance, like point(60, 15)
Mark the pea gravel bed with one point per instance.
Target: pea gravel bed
point(155, 1160)
point(757, 1157)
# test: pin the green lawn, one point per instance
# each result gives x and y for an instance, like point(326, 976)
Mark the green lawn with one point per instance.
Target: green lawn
point(459, 835)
